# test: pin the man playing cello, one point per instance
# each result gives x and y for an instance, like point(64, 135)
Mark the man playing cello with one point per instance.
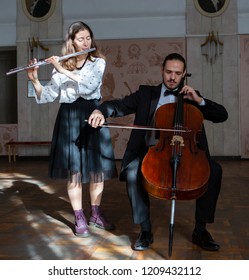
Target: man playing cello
point(143, 103)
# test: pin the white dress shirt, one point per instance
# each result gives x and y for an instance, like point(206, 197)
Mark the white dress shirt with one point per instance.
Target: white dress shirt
point(165, 99)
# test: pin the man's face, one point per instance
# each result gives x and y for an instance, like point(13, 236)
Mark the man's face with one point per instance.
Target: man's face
point(173, 73)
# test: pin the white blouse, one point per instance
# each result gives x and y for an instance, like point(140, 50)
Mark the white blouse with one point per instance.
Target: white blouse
point(69, 90)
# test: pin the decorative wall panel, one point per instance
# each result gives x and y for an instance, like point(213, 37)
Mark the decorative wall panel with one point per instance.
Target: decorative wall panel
point(8, 132)
point(244, 98)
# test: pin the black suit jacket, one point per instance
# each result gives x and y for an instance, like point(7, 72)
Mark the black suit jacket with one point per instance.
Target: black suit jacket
point(143, 104)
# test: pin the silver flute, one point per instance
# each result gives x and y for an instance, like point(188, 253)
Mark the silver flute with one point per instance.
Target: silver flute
point(43, 62)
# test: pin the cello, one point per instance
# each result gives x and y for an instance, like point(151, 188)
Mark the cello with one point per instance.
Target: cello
point(176, 168)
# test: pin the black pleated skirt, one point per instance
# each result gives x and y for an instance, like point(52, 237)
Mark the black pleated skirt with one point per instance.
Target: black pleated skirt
point(79, 148)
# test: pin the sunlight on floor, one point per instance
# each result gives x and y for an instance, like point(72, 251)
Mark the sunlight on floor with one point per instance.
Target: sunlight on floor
point(49, 235)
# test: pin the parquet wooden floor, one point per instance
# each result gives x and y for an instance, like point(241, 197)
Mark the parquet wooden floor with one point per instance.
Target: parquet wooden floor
point(36, 220)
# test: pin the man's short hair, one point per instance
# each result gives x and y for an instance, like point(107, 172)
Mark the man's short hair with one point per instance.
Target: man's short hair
point(175, 56)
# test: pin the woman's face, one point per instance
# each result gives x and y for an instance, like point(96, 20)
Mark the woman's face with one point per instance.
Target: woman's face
point(82, 40)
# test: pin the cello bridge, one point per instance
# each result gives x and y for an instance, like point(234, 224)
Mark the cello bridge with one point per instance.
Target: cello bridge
point(177, 138)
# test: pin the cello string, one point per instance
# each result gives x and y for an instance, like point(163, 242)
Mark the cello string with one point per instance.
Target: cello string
point(178, 123)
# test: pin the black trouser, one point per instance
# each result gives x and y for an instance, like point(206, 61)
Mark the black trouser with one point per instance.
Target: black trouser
point(206, 204)
point(139, 198)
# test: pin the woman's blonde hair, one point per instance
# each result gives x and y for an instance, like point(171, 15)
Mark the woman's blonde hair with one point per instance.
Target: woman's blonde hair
point(68, 48)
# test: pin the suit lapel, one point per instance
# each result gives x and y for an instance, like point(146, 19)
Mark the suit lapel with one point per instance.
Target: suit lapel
point(155, 95)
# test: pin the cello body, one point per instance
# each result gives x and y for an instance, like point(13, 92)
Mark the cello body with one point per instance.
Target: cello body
point(176, 168)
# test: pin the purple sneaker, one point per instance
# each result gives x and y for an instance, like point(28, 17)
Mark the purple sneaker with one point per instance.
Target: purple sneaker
point(98, 220)
point(81, 227)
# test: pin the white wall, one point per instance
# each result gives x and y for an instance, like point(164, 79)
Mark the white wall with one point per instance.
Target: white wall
point(112, 19)
point(243, 16)
point(115, 19)
point(8, 23)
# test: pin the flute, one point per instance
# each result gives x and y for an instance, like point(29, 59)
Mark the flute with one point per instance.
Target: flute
point(43, 62)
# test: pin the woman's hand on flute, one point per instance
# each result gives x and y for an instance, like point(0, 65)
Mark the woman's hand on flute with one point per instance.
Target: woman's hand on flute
point(55, 61)
point(32, 72)
point(33, 76)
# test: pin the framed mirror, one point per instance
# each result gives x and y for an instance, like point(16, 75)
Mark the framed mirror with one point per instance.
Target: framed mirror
point(211, 8)
point(38, 10)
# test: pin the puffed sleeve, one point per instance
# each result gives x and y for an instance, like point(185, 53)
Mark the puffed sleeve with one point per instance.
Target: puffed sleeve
point(51, 90)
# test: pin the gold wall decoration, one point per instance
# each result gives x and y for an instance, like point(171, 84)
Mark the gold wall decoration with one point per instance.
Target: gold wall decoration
point(212, 47)
point(37, 49)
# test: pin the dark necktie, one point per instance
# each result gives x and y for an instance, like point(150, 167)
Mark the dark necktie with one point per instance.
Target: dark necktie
point(169, 92)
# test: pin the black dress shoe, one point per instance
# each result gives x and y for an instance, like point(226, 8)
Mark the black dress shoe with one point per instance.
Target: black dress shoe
point(205, 241)
point(144, 240)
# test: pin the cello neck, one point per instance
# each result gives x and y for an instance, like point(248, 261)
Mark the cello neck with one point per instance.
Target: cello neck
point(178, 119)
